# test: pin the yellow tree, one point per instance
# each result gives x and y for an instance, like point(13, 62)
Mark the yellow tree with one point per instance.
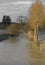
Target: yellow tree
point(11, 29)
point(36, 18)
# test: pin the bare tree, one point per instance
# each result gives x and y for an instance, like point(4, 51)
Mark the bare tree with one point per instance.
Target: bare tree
point(22, 19)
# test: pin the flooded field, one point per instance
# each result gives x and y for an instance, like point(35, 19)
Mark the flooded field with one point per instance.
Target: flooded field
point(19, 51)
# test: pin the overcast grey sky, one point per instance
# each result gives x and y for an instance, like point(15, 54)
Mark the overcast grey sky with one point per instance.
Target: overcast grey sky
point(15, 8)
point(2, 1)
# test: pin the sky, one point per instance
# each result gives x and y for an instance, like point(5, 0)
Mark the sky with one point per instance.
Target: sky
point(15, 8)
point(3, 1)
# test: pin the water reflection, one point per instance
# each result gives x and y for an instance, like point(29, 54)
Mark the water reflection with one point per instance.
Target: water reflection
point(35, 53)
point(21, 51)
point(37, 63)
point(12, 39)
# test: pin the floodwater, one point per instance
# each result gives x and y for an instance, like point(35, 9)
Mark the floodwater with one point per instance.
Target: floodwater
point(20, 51)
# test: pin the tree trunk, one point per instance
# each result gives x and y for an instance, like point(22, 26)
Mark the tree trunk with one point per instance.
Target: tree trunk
point(36, 34)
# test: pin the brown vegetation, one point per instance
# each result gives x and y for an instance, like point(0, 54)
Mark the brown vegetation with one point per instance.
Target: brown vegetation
point(36, 16)
point(11, 29)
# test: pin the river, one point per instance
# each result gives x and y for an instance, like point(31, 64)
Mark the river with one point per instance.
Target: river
point(18, 51)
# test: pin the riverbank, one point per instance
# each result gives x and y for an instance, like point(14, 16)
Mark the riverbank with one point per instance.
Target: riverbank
point(4, 36)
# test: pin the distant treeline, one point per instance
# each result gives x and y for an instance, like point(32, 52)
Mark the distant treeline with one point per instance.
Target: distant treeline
point(6, 20)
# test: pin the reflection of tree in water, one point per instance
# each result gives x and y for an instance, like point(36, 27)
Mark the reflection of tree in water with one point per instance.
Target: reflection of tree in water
point(37, 63)
point(13, 39)
point(34, 53)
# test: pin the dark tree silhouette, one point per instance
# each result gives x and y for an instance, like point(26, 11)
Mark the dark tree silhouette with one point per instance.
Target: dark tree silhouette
point(8, 20)
point(4, 19)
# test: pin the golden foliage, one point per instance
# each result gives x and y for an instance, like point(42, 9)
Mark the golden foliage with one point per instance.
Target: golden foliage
point(11, 29)
point(36, 15)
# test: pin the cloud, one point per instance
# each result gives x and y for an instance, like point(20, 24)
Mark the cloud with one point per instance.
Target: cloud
point(22, 2)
